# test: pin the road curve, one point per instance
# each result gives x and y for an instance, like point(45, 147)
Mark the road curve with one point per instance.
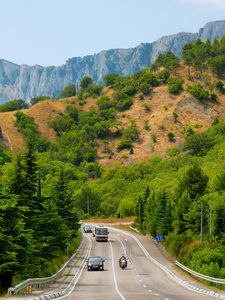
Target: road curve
point(143, 279)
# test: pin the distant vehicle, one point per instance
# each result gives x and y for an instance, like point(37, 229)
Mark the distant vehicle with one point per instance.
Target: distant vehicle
point(95, 263)
point(101, 234)
point(87, 229)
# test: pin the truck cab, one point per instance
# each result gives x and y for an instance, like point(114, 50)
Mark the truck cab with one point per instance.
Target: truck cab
point(101, 234)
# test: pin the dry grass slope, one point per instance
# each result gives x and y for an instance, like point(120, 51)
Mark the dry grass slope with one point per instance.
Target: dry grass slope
point(154, 116)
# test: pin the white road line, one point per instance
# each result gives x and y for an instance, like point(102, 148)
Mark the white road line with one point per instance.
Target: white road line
point(150, 291)
point(144, 286)
point(172, 275)
point(114, 273)
point(76, 277)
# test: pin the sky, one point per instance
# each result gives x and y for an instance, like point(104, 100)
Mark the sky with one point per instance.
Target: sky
point(48, 32)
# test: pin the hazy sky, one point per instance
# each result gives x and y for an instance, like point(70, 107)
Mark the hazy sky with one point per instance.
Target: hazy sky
point(47, 32)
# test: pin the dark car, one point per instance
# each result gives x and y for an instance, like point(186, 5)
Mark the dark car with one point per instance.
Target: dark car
point(95, 263)
point(87, 229)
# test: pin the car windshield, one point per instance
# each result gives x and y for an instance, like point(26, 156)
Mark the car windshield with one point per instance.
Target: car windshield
point(101, 231)
point(87, 227)
point(95, 260)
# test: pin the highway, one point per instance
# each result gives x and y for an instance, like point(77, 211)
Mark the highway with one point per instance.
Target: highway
point(143, 279)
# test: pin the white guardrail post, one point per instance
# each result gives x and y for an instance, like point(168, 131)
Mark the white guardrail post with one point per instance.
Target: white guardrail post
point(199, 275)
point(40, 283)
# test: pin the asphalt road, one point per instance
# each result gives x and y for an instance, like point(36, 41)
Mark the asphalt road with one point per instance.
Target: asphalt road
point(141, 280)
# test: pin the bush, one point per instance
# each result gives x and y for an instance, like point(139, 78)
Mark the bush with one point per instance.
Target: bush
point(219, 86)
point(175, 84)
point(94, 90)
point(68, 91)
point(13, 105)
point(86, 82)
point(123, 102)
point(163, 75)
point(104, 102)
point(197, 90)
point(110, 79)
point(145, 88)
point(170, 136)
point(199, 144)
point(35, 100)
point(125, 143)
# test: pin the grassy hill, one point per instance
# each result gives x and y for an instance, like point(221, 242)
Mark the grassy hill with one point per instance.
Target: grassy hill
point(155, 115)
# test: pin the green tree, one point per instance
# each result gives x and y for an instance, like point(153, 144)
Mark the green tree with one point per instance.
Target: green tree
point(175, 84)
point(68, 91)
point(86, 82)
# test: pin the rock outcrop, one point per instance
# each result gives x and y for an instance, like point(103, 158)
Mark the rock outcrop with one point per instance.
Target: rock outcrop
point(25, 82)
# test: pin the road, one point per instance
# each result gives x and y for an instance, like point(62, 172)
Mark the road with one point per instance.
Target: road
point(141, 280)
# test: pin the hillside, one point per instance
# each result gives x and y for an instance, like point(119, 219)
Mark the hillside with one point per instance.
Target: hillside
point(25, 82)
point(153, 115)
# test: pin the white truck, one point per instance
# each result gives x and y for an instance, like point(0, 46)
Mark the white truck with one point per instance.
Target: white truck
point(101, 234)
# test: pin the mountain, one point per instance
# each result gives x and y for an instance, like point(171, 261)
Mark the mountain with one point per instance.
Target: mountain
point(25, 82)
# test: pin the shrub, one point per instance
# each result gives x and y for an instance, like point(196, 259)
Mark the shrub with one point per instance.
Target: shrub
point(170, 136)
point(163, 75)
point(173, 151)
point(13, 105)
point(219, 86)
point(110, 79)
point(125, 143)
point(86, 82)
point(153, 137)
point(131, 132)
point(68, 91)
point(145, 88)
point(35, 100)
point(197, 90)
point(104, 102)
point(94, 90)
point(123, 102)
point(175, 84)
point(198, 143)
point(147, 107)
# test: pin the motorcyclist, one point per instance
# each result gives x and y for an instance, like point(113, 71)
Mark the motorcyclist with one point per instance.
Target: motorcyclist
point(123, 258)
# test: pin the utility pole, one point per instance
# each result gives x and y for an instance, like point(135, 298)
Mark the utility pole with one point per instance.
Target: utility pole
point(210, 223)
point(201, 223)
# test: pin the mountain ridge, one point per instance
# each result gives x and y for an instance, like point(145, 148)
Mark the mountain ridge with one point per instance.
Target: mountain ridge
point(25, 81)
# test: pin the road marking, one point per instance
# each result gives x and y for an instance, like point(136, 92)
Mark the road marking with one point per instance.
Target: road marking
point(156, 294)
point(170, 274)
point(144, 286)
point(71, 287)
point(114, 274)
point(150, 291)
point(137, 275)
point(140, 280)
point(167, 299)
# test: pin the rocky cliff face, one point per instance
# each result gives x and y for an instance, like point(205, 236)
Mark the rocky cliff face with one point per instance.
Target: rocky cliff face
point(25, 81)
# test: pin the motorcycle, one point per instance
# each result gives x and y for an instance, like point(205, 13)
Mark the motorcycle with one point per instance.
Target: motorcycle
point(123, 263)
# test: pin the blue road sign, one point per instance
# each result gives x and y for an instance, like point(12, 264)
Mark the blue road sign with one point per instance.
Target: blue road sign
point(159, 238)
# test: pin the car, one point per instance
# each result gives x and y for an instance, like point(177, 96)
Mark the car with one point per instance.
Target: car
point(87, 229)
point(95, 263)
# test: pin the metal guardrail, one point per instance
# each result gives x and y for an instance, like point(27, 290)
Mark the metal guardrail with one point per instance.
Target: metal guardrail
point(40, 283)
point(199, 275)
